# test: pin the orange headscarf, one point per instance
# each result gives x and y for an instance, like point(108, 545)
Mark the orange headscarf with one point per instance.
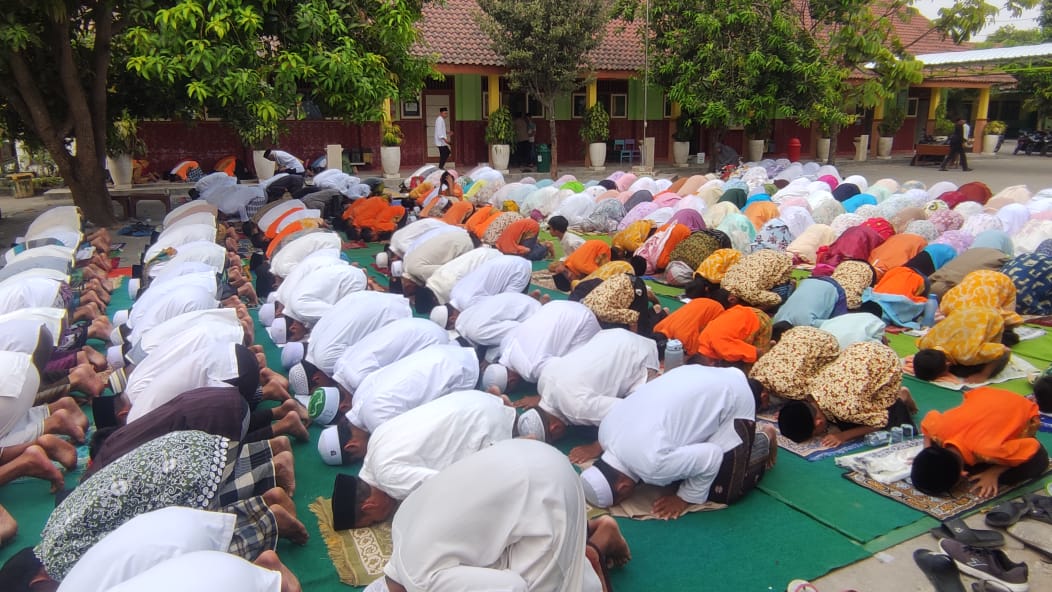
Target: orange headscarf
point(760, 212)
point(715, 266)
point(457, 212)
point(481, 219)
point(687, 323)
point(588, 257)
point(675, 236)
point(737, 335)
point(902, 281)
point(895, 252)
point(509, 241)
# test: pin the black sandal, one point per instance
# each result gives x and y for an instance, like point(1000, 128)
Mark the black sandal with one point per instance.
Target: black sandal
point(1007, 513)
point(941, 571)
point(957, 530)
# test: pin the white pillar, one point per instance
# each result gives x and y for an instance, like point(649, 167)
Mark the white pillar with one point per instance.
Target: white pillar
point(334, 156)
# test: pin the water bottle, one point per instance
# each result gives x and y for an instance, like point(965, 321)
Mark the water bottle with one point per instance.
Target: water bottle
point(930, 308)
point(673, 354)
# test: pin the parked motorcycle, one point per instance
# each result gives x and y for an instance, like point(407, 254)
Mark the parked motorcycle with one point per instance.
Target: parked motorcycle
point(1030, 142)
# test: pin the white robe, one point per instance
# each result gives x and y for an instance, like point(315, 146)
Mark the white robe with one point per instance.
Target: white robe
point(172, 303)
point(303, 269)
point(33, 292)
point(510, 517)
point(193, 362)
point(678, 427)
point(311, 298)
point(383, 348)
point(348, 321)
point(64, 216)
point(17, 391)
point(206, 252)
point(180, 235)
point(491, 318)
point(21, 335)
point(424, 259)
point(218, 324)
point(204, 571)
point(554, 330)
point(404, 237)
point(444, 278)
point(581, 387)
point(145, 541)
point(507, 273)
point(278, 211)
point(412, 381)
point(302, 247)
point(415, 446)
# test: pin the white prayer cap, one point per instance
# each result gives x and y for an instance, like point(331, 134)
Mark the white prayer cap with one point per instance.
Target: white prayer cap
point(120, 317)
point(329, 446)
point(531, 426)
point(278, 331)
point(266, 314)
point(133, 287)
point(382, 260)
point(492, 354)
point(396, 269)
point(115, 357)
point(19, 240)
point(597, 489)
point(440, 315)
point(324, 404)
point(115, 335)
point(495, 375)
point(298, 380)
point(291, 354)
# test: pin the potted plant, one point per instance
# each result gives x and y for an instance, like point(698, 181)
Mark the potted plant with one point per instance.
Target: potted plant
point(888, 127)
point(500, 133)
point(992, 135)
point(390, 149)
point(757, 129)
point(825, 135)
point(681, 142)
point(123, 144)
point(595, 132)
point(943, 129)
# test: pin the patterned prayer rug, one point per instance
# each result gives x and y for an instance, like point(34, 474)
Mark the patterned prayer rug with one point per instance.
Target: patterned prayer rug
point(811, 450)
point(1016, 368)
point(359, 554)
point(543, 279)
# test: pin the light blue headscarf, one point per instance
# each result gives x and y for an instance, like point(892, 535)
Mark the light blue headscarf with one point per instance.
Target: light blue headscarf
point(995, 239)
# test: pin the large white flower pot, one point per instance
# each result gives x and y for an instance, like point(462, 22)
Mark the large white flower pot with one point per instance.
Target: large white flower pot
point(884, 147)
point(823, 149)
point(264, 168)
point(597, 155)
point(499, 155)
point(391, 160)
point(990, 143)
point(680, 153)
point(120, 168)
point(756, 150)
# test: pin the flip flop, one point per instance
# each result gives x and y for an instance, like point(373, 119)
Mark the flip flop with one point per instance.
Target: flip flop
point(940, 569)
point(956, 529)
point(801, 586)
point(1007, 513)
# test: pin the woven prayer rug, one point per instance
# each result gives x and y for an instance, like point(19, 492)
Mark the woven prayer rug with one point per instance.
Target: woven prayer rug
point(811, 450)
point(359, 554)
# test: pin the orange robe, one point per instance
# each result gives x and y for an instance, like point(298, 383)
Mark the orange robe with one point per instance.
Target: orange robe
point(386, 220)
point(676, 236)
point(365, 210)
point(739, 334)
point(588, 257)
point(759, 213)
point(895, 252)
point(687, 323)
point(992, 425)
point(904, 282)
point(457, 212)
point(510, 241)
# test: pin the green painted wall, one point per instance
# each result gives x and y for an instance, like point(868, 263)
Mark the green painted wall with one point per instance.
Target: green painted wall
point(468, 104)
point(563, 108)
point(655, 100)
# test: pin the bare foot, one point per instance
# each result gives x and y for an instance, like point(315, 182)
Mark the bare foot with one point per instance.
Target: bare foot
point(59, 450)
point(8, 527)
point(285, 471)
point(274, 391)
point(535, 294)
point(585, 453)
point(65, 423)
point(596, 562)
point(89, 355)
point(279, 444)
point(528, 402)
point(269, 560)
point(606, 535)
point(268, 376)
point(100, 329)
point(34, 462)
point(292, 425)
point(276, 497)
point(772, 439)
point(544, 299)
point(83, 378)
point(289, 527)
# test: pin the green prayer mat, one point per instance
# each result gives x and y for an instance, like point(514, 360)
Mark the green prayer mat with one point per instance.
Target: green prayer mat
point(359, 554)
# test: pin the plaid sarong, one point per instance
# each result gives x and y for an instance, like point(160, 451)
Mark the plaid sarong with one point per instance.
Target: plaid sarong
point(250, 473)
point(256, 528)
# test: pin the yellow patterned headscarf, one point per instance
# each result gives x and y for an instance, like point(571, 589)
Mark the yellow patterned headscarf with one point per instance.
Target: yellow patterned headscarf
point(716, 265)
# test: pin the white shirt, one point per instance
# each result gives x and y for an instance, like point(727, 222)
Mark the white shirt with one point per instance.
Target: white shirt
point(18, 389)
point(284, 160)
point(193, 362)
point(570, 243)
point(182, 299)
point(311, 298)
point(678, 427)
point(382, 348)
point(506, 273)
point(424, 259)
point(348, 321)
point(491, 318)
point(440, 131)
point(554, 330)
point(415, 446)
point(204, 570)
point(29, 293)
point(180, 235)
point(581, 387)
point(441, 282)
point(412, 381)
point(510, 517)
point(302, 271)
point(218, 324)
point(404, 237)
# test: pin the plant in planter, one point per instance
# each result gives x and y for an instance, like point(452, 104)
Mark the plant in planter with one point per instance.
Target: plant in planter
point(500, 133)
point(595, 131)
point(996, 128)
point(390, 149)
point(993, 133)
point(757, 129)
point(123, 144)
point(888, 127)
point(681, 142)
point(943, 127)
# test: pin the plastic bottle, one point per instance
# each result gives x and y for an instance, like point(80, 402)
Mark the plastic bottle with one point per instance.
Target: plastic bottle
point(930, 308)
point(673, 354)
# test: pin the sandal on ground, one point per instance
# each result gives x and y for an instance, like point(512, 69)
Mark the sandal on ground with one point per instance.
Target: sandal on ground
point(940, 569)
point(1040, 508)
point(801, 586)
point(1007, 513)
point(956, 529)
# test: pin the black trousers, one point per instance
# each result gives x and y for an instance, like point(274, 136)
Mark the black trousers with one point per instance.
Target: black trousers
point(443, 156)
point(956, 148)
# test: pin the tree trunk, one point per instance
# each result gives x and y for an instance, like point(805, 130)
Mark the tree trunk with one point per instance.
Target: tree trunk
point(87, 183)
point(834, 131)
point(550, 107)
point(715, 140)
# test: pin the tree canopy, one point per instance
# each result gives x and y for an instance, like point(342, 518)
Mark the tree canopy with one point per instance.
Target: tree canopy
point(545, 46)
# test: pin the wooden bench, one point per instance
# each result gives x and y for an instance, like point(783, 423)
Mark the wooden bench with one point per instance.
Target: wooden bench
point(929, 153)
point(130, 201)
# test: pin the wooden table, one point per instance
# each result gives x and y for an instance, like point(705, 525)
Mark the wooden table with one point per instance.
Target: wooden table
point(929, 153)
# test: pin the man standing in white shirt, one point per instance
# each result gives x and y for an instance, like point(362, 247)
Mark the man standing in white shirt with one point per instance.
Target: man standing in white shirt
point(284, 162)
point(442, 137)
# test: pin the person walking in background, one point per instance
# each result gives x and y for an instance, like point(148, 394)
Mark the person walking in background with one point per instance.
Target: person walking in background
point(442, 137)
point(957, 147)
